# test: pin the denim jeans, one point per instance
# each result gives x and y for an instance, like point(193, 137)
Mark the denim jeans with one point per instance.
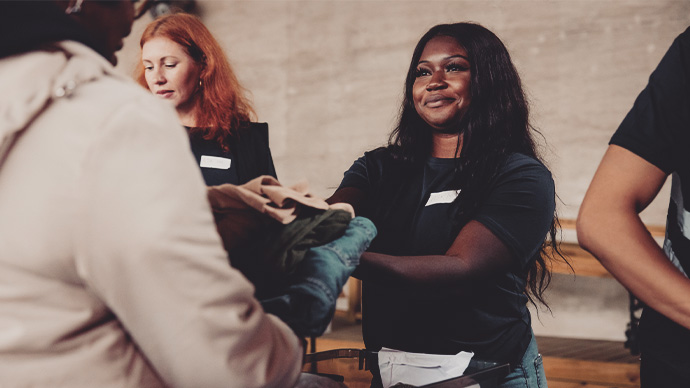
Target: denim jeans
point(529, 373)
point(308, 304)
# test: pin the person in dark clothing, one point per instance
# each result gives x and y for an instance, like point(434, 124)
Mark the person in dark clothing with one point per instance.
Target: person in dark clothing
point(183, 63)
point(463, 205)
point(650, 144)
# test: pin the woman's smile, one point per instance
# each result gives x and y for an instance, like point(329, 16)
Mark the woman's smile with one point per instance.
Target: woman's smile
point(441, 91)
point(437, 100)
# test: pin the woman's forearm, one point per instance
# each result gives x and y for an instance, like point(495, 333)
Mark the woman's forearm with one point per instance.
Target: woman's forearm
point(476, 253)
point(416, 271)
point(626, 249)
point(610, 228)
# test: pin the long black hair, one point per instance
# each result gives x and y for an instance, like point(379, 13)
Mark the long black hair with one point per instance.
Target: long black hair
point(495, 126)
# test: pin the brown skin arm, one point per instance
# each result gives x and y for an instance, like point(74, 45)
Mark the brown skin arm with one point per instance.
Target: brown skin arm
point(475, 254)
point(351, 195)
point(610, 228)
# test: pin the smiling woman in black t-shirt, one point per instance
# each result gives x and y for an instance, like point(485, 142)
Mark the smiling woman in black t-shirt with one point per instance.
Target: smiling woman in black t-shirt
point(463, 206)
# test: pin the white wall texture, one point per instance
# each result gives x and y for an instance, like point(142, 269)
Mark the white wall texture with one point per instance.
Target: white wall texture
point(327, 75)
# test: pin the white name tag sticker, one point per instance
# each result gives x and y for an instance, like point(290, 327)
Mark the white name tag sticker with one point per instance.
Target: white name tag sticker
point(215, 162)
point(447, 196)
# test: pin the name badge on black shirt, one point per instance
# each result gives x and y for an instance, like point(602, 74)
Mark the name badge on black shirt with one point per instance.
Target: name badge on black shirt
point(447, 196)
point(215, 162)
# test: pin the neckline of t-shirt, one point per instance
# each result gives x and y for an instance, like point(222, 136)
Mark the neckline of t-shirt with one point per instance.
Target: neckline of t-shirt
point(441, 161)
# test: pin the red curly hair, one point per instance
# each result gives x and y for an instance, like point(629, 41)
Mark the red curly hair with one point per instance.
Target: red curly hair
point(221, 107)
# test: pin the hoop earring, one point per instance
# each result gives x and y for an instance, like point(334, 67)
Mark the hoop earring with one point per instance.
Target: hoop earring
point(76, 8)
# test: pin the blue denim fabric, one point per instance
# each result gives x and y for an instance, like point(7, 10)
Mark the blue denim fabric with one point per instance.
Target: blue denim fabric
point(529, 373)
point(308, 304)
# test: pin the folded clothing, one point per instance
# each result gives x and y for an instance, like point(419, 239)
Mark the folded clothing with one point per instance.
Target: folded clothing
point(270, 256)
point(308, 303)
point(296, 249)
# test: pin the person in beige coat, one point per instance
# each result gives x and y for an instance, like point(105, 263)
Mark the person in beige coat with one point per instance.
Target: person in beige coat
point(112, 273)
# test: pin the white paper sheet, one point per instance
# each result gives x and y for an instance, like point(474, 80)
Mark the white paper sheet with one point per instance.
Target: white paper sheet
point(420, 369)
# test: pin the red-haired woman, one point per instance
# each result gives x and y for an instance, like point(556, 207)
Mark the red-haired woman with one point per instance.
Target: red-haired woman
point(184, 64)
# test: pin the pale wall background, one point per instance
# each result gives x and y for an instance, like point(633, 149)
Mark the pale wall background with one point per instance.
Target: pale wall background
point(328, 77)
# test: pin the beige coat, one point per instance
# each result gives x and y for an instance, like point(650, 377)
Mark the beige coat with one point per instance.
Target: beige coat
point(111, 270)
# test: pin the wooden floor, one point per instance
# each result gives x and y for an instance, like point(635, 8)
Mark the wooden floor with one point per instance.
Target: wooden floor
point(568, 363)
point(588, 363)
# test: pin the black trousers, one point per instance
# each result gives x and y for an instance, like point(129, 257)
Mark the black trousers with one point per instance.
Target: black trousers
point(655, 373)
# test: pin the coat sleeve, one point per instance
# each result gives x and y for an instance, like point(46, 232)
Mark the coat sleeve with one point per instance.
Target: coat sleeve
point(149, 249)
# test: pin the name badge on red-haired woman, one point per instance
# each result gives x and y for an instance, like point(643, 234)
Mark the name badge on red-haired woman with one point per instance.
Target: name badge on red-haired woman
point(215, 162)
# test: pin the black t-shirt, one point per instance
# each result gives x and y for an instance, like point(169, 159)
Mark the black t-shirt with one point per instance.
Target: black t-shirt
point(248, 156)
point(409, 204)
point(657, 128)
point(218, 166)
